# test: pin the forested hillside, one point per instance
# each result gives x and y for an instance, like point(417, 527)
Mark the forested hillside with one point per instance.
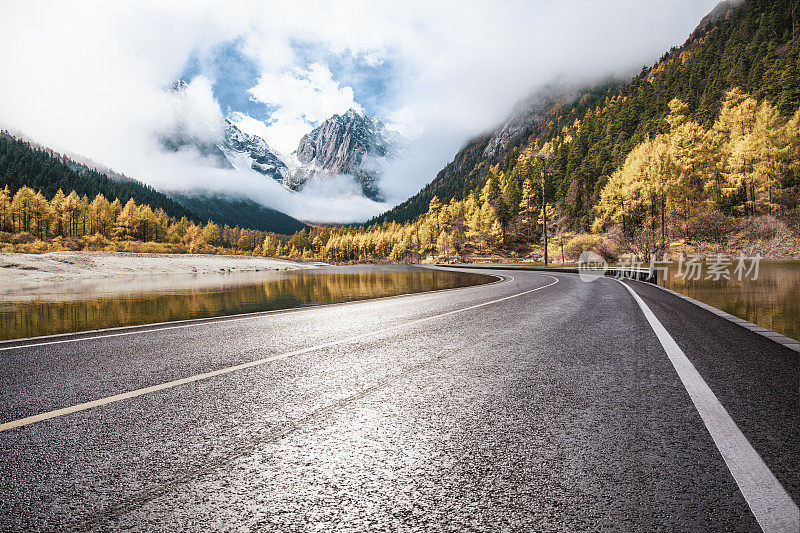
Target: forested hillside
point(754, 47)
point(699, 154)
point(455, 180)
point(22, 164)
point(534, 118)
point(239, 212)
point(31, 223)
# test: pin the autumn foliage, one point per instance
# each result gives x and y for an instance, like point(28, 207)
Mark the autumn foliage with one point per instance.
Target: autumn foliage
point(31, 223)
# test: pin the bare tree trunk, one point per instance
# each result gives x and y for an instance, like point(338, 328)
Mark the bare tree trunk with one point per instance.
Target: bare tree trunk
point(544, 218)
point(624, 229)
point(663, 222)
point(653, 222)
point(686, 222)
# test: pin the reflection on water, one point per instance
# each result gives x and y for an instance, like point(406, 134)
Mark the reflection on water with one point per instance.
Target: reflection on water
point(90, 309)
point(771, 301)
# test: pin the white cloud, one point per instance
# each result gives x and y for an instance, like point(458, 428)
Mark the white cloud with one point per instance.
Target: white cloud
point(196, 110)
point(88, 77)
point(304, 98)
point(350, 205)
point(185, 171)
point(250, 125)
point(373, 58)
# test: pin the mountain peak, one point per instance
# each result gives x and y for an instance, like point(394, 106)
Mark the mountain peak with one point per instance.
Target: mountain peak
point(178, 86)
point(219, 140)
point(251, 151)
point(353, 113)
point(351, 143)
point(353, 116)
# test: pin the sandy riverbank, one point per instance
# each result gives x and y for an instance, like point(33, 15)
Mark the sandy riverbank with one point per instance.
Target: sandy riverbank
point(25, 276)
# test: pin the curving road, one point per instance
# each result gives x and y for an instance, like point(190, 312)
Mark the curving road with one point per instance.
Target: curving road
point(539, 402)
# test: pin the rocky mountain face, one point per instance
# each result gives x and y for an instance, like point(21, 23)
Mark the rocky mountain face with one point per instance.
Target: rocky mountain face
point(351, 144)
point(223, 144)
point(251, 151)
point(531, 115)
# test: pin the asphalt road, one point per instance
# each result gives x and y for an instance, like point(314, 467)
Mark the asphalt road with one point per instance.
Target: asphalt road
point(540, 402)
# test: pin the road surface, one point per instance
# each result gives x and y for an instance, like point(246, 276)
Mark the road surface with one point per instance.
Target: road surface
point(538, 402)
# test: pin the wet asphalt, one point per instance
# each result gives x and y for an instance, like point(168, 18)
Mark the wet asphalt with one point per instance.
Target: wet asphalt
point(556, 410)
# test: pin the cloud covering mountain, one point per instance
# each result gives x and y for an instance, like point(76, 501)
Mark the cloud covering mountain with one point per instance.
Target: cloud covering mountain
point(90, 78)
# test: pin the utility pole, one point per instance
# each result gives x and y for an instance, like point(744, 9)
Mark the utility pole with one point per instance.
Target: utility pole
point(543, 159)
point(544, 217)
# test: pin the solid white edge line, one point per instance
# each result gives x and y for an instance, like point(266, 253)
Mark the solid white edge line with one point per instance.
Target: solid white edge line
point(771, 505)
point(783, 340)
point(222, 371)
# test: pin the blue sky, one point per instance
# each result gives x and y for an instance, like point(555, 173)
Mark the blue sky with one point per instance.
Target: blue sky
point(233, 73)
point(374, 82)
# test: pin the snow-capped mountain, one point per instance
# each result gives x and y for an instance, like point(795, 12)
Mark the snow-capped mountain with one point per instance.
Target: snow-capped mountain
point(218, 140)
point(350, 144)
point(251, 151)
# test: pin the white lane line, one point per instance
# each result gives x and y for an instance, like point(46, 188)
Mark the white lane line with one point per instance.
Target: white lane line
point(772, 506)
point(195, 322)
point(222, 371)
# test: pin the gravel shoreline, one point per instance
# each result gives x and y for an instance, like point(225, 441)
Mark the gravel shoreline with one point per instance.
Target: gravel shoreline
point(25, 275)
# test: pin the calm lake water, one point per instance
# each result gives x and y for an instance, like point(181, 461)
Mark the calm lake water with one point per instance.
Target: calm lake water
point(772, 300)
point(81, 308)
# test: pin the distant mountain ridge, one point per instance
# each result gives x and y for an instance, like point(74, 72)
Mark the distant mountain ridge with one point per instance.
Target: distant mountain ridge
point(241, 212)
point(351, 144)
point(26, 164)
point(750, 44)
point(23, 164)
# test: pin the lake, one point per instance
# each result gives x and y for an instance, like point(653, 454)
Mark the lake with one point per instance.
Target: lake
point(772, 300)
point(114, 303)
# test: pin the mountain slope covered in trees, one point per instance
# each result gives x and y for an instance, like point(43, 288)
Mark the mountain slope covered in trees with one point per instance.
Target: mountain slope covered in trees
point(699, 155)
point(532, 118)
point(239, 212)
point(753, 46)
point(24, 165)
